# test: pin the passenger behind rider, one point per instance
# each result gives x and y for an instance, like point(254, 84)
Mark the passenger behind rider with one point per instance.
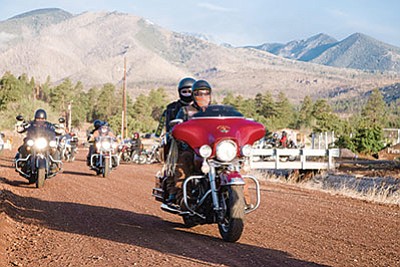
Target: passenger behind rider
point(185, 165)
point(169, 114)
point(201, 91)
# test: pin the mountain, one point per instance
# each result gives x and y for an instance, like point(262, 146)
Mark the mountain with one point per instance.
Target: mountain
point(303, 50)
point(29, 24)
point(91, 48)
point(358, 51)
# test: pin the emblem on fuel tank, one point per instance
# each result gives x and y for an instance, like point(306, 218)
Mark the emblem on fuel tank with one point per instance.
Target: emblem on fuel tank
point(223, 128)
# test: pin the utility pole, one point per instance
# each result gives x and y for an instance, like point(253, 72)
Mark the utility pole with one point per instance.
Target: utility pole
point(69, 116)
point(123, 124)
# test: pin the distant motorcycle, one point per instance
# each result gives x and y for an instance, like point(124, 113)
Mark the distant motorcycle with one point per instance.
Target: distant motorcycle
point(125, 151)
point(105, 157)
point(68, 146)
point(153, 155)
point(38, 165)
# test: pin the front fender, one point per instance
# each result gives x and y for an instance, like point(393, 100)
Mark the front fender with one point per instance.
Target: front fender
point(41, 162)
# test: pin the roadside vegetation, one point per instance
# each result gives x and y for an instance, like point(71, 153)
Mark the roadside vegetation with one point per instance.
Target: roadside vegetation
point(361, 131)
point(383, 190)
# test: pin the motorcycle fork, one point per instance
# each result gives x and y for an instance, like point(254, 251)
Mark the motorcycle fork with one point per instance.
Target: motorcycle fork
point(214, 191)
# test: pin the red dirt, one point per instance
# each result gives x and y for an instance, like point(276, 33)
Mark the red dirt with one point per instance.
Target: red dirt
point(79, 219)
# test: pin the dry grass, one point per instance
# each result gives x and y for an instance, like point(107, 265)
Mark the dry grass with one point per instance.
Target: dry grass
point(382, 192)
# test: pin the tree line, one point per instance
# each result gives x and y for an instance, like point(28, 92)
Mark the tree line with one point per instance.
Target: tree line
point(361, 131)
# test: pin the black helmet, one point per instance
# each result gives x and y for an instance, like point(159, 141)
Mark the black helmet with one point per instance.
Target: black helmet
point(40, 114)
point(61, 120)
point(97, 124)
point(201, 85)
point(185, 83)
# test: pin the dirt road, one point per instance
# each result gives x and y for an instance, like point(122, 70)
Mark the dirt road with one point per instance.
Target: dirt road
point(79, 219)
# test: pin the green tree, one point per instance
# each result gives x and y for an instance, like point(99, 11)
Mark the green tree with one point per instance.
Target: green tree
point(368, 139)
point(375, 110)
point(285, 113)
point(13, 89)
point(305, 116)
point(107, 104)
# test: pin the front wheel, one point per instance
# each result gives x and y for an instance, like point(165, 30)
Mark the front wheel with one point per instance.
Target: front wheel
point(41, 176)
point(232, 224)
point(106, 170)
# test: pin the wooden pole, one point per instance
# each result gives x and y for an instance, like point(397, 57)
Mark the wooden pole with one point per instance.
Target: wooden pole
point(123, 122)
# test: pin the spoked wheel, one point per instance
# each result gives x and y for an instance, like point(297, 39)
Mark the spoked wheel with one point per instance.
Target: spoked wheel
point(232, 224)
point(41, 176)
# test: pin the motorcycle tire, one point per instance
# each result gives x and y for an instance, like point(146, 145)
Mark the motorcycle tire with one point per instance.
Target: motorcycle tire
point(231, 228)
point(41, 176)
point(189, 221)
point(126, 158)
point(142, 159)
point(106, 170)
point(72, 158)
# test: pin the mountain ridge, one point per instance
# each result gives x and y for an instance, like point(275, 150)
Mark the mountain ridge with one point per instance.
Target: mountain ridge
point(91, 48)
point(357, 51)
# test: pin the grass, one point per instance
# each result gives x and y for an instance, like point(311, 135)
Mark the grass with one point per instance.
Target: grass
point(382, 190)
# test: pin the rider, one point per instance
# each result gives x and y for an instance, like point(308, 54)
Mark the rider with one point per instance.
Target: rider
point(136, 144)
point(185, 166)
point(35, 127)
point(60, 127)
point(96, 124)
point(169, 114)
point(185, 99)
point(201, 90)
point(283, 141)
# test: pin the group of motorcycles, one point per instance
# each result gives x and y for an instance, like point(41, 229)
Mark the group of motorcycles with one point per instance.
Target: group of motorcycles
point(221, 141)
point(45, 148)
point(131, 151)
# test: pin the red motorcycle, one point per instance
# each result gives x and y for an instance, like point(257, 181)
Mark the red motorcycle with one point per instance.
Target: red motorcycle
point(221, 140)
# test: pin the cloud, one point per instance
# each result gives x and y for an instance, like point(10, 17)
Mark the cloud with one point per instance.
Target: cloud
point(213, 7)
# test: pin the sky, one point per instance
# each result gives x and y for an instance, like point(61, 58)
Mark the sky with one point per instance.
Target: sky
point(245, 22)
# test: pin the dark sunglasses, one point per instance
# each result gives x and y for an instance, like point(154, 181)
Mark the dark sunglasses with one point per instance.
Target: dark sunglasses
point(199, 93)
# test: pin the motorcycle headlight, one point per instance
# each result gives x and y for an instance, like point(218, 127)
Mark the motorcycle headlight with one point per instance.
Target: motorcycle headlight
point(53, 143)
point(41, 143)
point(114, 145)
point(98, 145)
point(105, 145)
point(226, 150)
point(246, 150)
point(30, 142)
point(205, 151)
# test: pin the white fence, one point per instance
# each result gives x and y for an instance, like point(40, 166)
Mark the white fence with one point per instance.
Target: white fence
point(304, 159)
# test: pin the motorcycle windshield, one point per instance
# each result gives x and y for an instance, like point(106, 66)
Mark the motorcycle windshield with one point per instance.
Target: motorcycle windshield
point(218, 122)
point(38, 130)
point(218, 111)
